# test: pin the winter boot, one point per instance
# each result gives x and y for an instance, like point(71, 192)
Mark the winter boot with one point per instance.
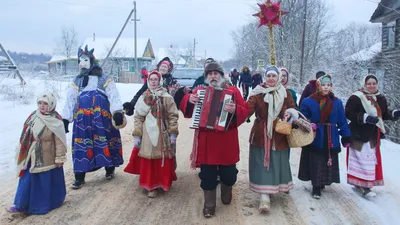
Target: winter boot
point(79, 180)
point(316, 192)
point(152, 193)
point(368, 193)
point(265, 203)
point(110, 173)
point(226, 194)
point(210, 201)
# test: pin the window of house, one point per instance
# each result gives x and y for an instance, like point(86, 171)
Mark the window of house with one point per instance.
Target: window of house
point(391, 29)
point(59, 67)
point(125, 66)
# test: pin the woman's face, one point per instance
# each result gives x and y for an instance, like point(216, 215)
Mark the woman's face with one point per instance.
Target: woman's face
point(326, 88)
point(371, 85)
point(163, 69)
point(154, 82)
point(271, 79)
point(43, 107)
point(284, 77)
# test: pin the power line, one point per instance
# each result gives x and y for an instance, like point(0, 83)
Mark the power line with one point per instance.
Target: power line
point(83, 4)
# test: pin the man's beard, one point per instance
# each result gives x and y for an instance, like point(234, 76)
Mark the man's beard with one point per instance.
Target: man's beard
point(215, 84)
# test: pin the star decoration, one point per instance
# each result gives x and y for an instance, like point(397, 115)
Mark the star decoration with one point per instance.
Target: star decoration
point(270, 13)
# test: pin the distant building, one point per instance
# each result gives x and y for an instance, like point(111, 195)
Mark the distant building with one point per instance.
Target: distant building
point(121, 60)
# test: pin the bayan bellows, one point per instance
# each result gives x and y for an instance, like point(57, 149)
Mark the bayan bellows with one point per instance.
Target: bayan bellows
point(209, 112)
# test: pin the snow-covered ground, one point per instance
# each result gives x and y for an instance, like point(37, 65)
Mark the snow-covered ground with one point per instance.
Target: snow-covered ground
point(339, 205)
point(15, 109)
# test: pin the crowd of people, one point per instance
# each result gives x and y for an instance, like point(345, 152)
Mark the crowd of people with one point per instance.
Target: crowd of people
point(94, 107)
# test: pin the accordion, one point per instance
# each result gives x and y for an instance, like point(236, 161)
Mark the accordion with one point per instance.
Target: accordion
point(209, 112)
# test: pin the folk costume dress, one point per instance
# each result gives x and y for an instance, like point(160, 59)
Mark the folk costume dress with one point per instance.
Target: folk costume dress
point(156, 118)
point(41, 185)
point(364, 161)
point(319, 161)
point(92, 99)
point(269, 167)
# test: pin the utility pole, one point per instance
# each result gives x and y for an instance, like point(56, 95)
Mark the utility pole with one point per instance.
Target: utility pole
point(135, 28)
point(194, 53)
point(116, 40)
point(303, 43)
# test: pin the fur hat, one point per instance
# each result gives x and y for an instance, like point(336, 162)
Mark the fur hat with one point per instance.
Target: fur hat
point(208, 60)
point(213, 66)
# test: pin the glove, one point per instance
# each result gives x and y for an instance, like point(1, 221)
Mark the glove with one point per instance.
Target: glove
point(346, 142)
point(396, 114)
point(136, 141)
point(66, 123)
point(172, 138)
point(118, 118)
point(373, 120)
point(129, 108)
point(314, 127)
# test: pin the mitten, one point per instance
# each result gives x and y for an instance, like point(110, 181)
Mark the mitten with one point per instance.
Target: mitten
point(314, 127)
point(373, 120)
point(129, 108)
point(396, 114)
point(172, 138)
point(66, 123)
point(118, 118)
point(136, 141)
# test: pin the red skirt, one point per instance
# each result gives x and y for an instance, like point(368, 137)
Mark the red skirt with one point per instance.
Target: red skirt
point(152, 174)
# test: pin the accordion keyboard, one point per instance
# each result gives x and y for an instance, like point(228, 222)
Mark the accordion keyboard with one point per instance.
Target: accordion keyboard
point(197, 110)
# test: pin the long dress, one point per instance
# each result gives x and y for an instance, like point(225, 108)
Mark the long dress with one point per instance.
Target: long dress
point(364, 161)
point(95, 141)
point(278, 177)
point(39, 193)
point(315, 157)
point(314, 168)
point(154, 163)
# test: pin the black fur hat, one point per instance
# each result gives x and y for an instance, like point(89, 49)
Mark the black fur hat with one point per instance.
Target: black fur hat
point(213, 66)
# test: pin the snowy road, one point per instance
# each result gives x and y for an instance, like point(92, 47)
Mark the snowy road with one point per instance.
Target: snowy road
point(121, 201)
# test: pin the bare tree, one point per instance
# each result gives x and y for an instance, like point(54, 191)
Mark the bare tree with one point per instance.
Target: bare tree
point(116, 59)
point(67, 44)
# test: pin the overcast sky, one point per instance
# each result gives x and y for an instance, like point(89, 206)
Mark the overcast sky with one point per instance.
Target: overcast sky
point(34, 25)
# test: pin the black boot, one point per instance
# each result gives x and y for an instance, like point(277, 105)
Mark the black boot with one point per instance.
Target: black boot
point(110, 172)
point(79, 181)
point(316, 192)
point(226, 194)
point(210, 201)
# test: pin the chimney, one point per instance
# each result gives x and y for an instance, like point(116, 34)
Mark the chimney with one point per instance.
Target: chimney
point(94, 37)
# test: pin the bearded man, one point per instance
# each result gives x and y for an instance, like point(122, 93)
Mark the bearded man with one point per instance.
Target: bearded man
point(216, 153)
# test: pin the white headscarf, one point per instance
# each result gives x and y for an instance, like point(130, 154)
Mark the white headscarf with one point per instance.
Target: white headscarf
point(51, 119)
point(369, 108)
point(274, 96)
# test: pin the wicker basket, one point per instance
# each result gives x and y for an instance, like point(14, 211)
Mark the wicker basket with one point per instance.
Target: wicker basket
point(300, 138)
point(283, 127)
